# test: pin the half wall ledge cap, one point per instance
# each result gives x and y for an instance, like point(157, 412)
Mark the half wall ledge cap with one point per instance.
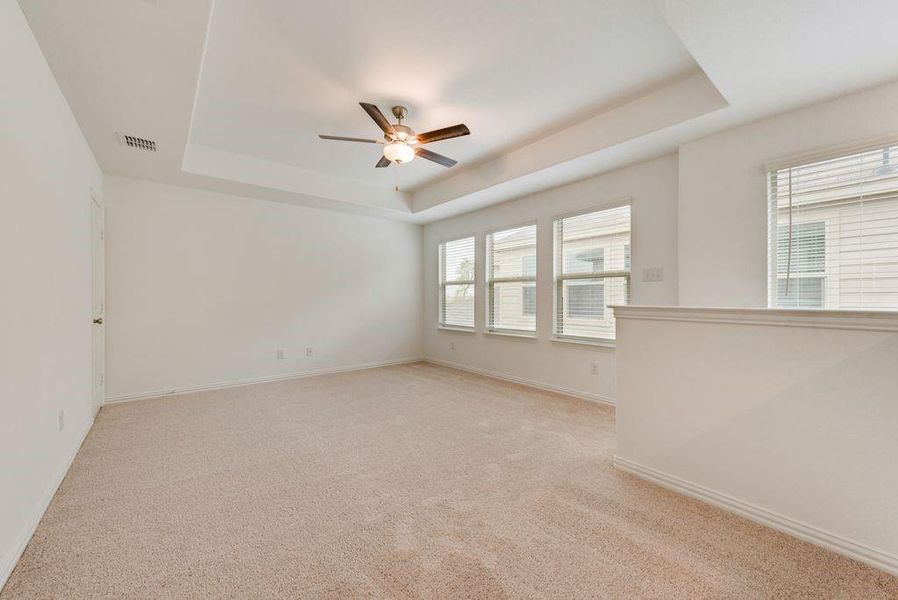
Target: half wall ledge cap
point(822, 319)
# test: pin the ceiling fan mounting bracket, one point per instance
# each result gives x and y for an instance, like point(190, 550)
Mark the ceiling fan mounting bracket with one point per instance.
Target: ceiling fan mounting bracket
point(400, 112)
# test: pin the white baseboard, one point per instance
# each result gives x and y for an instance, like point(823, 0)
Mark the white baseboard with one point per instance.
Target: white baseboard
point(250, 381)
point(528, 382)
point(12, 558)
point(802, 531)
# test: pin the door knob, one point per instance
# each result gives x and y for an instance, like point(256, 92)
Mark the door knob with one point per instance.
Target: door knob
point(99, 321)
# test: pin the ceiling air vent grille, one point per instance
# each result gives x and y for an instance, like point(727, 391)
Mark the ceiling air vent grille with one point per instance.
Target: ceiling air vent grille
point(132, 141)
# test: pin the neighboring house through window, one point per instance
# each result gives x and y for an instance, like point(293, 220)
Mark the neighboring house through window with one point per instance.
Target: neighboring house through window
point(800, 284)
point(456, 270)
point(592, 271)
point(843, 213)
point(528, 291)
point(511, 280)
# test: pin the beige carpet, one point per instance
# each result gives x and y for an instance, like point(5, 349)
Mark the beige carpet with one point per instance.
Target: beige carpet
point(406, 482)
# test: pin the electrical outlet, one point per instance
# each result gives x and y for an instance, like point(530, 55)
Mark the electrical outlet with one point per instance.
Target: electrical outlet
point(281, 354)
point(594, 368)
point(308, 351)
point(653, 274)
point(452, 345)
point(61, 417)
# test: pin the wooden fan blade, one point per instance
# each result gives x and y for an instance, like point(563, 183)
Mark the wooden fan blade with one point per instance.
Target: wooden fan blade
point(347, 139)
point(437, 158)
point(442, 134)
point(383, 162)
point(378, 117)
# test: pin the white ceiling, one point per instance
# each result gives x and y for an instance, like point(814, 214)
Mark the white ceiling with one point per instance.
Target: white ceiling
point(772, 54)
point(236, 91)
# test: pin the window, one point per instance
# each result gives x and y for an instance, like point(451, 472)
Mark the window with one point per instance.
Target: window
point(528, 299)
point(586, 300)
point(834, 233)
point(591, 260)
point(800, 292)
point(457, 283)
point(511, 279)
point(800, 284)
point(528, 292)
point(592, 271)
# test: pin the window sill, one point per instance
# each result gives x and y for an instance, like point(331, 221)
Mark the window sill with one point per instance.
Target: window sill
point(597, 343)
point(455, 329)
point(511, 334)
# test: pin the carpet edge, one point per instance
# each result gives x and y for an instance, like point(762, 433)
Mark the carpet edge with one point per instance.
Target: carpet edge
point(9, 562)
point(208, 387)
point(548, 387)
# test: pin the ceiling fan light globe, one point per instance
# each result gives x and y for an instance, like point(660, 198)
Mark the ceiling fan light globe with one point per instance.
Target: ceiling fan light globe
point(399, 152)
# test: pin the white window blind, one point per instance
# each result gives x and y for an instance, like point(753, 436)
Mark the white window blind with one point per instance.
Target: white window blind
point(457, 283)
point(511, 279)
point(833, 234)
point(592, 271)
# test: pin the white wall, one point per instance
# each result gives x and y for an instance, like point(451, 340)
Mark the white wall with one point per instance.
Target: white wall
point(788, 418)
point(723, 191)
point(651, 185)
point(203, 288)
point(46, 173)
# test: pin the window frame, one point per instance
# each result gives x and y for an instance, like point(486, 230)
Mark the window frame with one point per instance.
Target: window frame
point(559, 279)
point(442, 284)
point(832, 271)
point(523, 279)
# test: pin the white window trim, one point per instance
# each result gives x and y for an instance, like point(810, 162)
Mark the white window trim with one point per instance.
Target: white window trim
point(512, 333)
point(456, 328)
point(558, 280)
point(490, 280)
point(830, 152)
point(582, 341)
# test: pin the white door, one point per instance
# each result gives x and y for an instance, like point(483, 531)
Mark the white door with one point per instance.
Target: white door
point(98, 259)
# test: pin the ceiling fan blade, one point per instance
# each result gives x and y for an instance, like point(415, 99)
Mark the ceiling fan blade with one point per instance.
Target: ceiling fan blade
point(437, 158)
point(347, 139)
point(442, 134)
point(378, 117)
point(383, 162)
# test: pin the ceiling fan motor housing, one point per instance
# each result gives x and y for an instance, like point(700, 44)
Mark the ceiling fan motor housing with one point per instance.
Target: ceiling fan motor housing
point(403, 133)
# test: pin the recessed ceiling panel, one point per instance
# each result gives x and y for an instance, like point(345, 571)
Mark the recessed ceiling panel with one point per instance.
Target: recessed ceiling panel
point(278, 72)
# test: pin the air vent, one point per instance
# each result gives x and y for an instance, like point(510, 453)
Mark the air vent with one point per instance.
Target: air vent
point(132, 141)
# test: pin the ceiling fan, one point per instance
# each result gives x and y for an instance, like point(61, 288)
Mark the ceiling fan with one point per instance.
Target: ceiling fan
point(401, 143)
